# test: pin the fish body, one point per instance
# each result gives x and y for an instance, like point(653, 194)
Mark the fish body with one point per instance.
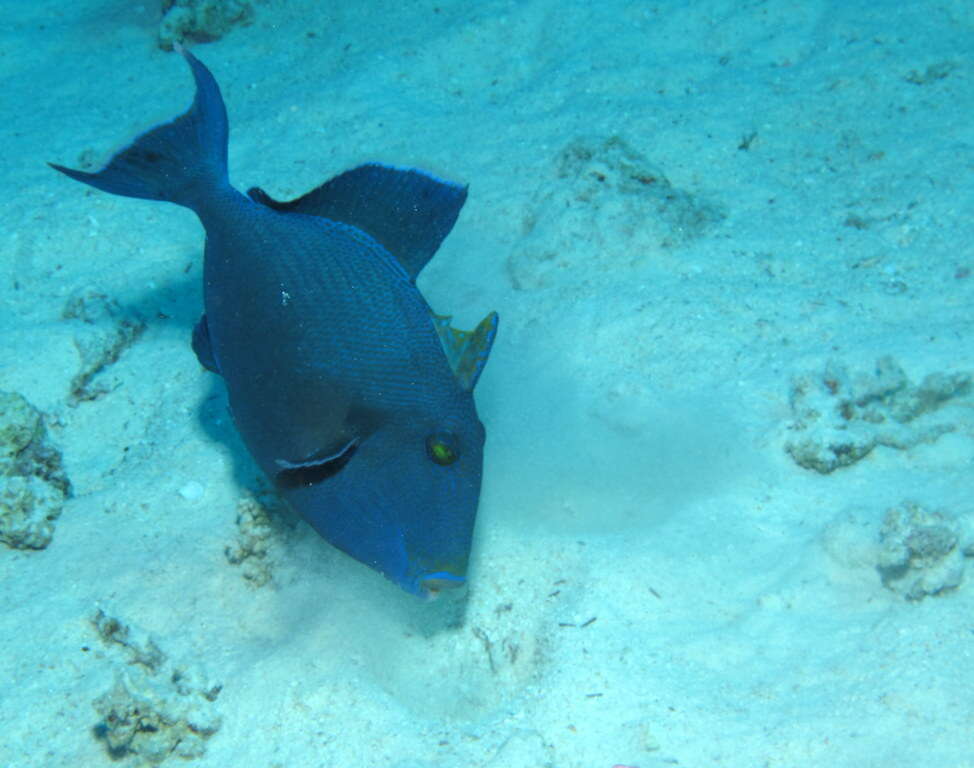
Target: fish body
point(352, 397)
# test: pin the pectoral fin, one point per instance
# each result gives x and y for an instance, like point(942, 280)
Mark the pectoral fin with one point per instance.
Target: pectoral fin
point(202, 346)
point(315, 468)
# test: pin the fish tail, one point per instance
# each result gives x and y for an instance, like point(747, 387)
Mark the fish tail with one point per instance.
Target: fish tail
point(181, 161)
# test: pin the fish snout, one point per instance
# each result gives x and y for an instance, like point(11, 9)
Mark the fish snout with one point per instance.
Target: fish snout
point(433, 583)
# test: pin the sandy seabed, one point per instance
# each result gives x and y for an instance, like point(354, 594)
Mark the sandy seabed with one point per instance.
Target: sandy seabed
point(726, 513)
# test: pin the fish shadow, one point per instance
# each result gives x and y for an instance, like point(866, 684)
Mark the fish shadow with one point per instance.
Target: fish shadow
point(175, 307)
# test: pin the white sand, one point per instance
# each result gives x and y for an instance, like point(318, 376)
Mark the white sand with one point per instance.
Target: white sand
point(636, 402)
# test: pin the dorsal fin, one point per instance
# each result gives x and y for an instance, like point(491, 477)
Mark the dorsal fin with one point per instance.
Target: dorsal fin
point(467, 351)
point(408, 211)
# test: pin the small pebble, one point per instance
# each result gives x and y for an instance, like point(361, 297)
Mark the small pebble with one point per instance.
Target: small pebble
point(192, 491)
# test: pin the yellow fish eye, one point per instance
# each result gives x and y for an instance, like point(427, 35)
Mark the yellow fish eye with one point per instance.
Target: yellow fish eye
point(442, 448)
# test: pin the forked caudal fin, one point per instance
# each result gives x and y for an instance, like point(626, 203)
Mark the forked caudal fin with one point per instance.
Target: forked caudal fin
point(178, 161)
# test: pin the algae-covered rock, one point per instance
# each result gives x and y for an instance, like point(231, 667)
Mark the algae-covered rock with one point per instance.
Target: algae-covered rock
point(201, 20)
point(839, 418)
point(155, 709)
point(29, 508)
point(258, 529)
point(20, 425)
point(33, 485)
point(920, 551)
point(150, 720)
point(24, 445)
point(606, 207)
point(141, 648)
point(104, 330)
point(916, 552)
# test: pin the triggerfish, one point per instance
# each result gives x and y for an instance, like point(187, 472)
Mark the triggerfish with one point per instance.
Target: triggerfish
point(353, 398)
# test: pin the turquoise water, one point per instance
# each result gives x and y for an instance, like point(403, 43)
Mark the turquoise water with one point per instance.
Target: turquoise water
point(725, 515)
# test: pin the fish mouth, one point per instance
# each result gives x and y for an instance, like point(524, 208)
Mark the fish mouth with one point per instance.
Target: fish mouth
point(434, 583)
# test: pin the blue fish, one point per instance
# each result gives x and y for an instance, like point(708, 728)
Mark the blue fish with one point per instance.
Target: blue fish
point(351, 395)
